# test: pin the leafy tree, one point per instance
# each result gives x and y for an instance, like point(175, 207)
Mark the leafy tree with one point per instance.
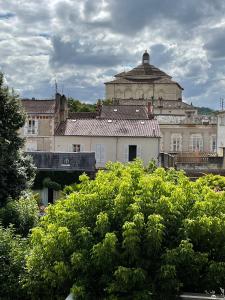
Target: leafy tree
point(12, 258)
point(22, 214)
point(78, 106)
point(132, 233)
point(16, 170)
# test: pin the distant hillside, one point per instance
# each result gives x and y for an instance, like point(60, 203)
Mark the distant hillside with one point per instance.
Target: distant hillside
point(205, 110)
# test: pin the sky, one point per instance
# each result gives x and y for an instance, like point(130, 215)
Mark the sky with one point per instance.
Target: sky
point(80, 44)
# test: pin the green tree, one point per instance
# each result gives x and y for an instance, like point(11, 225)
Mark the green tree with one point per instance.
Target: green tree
point(78, 106)
point(12, 257)
point(16, 169)
point(132, 233)
point(23, 214)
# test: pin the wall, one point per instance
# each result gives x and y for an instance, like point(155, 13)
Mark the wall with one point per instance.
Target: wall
point(138, 91)
point(186, 131)
point(220, 133)
point(43, 139)
point(115, 148)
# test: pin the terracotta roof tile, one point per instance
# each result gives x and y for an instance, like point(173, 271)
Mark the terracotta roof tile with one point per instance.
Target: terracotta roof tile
point(38, 106)
point(82, 115)
point(126, 112)
point(110, 128)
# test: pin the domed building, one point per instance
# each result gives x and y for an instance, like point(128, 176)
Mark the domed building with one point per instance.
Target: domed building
point(148, 92)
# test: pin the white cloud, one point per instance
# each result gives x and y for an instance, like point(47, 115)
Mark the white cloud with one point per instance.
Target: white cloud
point(83, 43)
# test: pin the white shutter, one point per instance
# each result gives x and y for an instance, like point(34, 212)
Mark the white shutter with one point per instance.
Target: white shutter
point(98, 153)
point(139, 154)
point(103, 154)
point(81, 148)
point(36, 126)
point(126, 153)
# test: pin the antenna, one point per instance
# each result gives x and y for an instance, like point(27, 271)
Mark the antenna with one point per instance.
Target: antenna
point(221, 103)
point(56, 87)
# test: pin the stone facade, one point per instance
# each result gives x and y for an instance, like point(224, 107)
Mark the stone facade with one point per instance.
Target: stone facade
point(182, 129)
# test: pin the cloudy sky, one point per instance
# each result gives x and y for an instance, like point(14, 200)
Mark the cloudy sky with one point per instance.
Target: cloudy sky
point(83, 43)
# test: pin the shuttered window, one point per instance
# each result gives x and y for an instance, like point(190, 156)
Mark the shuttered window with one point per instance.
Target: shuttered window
point(99, 150)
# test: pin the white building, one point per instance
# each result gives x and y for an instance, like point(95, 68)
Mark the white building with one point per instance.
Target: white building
point(111, 140)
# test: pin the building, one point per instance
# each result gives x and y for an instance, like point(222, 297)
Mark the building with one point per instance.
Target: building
point(111, 140)
point(43, 117)
point(147, 92)
point(221, 132)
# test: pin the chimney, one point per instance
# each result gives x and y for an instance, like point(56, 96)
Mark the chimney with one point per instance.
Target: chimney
point(99, 108)
point(150, 110)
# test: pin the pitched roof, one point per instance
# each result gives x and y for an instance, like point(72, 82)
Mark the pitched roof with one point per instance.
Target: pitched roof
point(117, 112)
point(109, 128)
point(83, 115)
point(144, 73)
point(38, 106)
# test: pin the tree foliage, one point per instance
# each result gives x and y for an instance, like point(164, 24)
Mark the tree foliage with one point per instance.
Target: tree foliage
point(78, 106)
point(21, 213)
point(12, 257)
point(16, 170)
point(132, 233)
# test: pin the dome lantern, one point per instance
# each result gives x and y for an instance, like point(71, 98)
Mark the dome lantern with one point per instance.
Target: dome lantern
point(145, 58)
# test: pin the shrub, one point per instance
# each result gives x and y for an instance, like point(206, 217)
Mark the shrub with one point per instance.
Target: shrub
point(129, 234)
point(12, 259)
point(22, 213)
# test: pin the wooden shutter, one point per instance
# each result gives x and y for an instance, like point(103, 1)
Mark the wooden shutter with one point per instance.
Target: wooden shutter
point(102, 153)
point(139, 151)
point(36, 126)
point(126, 147)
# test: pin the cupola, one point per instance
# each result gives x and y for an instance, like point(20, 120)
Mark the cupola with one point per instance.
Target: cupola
point(145, 58)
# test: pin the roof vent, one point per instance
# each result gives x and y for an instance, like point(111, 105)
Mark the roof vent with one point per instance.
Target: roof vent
point(142, 122)
point(73, 120)
point(115, 109)
point(109, 121)
point(137, 110)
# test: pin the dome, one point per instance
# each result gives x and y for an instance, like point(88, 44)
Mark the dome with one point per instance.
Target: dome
point(145, 58)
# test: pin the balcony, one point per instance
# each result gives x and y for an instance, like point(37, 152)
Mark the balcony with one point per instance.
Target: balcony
point(64, 161)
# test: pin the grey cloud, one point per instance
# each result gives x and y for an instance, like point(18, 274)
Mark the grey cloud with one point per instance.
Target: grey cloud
point(215, 43)
point(131, 16)
point(89, 54)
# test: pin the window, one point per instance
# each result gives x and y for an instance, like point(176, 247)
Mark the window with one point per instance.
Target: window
point(213, 143)
point(222, 120)
point(99, 153)
point(31, 126)
point(176, 142)
point(132, 152)
point(196, 142)
point(76, 148)
point(31, 145)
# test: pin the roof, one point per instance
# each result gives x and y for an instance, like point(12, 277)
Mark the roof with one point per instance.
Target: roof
point(83, 115)
point(109, 128)
point(124, 112)
point(173, 104)
point(38, 106)
point(64, 161)
point(144, 73)
point(184, 120)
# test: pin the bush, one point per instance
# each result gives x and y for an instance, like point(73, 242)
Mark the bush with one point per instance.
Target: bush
point(22, 214)
point(12, 258)
point(129, 234)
